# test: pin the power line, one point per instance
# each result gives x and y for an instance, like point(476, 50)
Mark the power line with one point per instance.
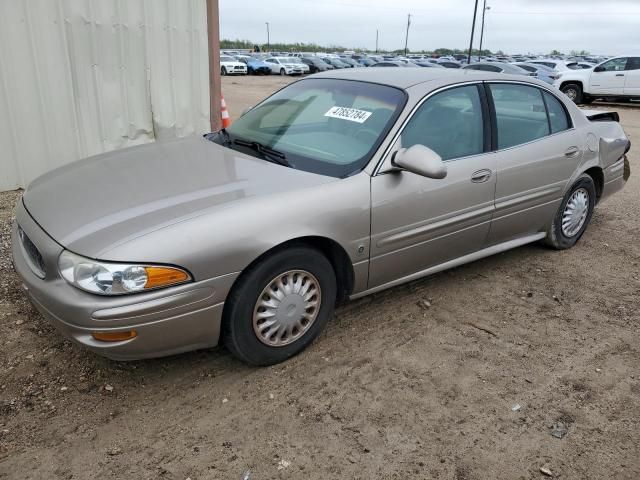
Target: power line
point(584, 14)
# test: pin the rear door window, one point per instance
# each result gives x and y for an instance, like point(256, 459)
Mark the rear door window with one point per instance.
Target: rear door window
point(558, 118)
point(633, 63)
point(520, 114)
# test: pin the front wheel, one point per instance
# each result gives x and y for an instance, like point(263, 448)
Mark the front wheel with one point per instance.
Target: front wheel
point(573, 91)
point(279, 306)
point(573, 216)
point(282, 71)
point(223, 71)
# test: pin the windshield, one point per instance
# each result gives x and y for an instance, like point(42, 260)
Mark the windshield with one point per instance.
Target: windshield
point(227, 59)
point(326, 126)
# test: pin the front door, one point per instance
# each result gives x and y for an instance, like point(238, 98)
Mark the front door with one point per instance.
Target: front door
point(609, 77)
point(419, 222)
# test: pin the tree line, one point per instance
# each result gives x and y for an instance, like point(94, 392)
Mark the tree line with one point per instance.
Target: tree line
point(228, 44)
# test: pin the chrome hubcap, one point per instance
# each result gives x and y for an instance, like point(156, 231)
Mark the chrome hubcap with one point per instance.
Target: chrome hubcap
point(286, 308)
point(575, 212)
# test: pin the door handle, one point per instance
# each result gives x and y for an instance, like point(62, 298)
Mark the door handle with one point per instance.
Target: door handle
point(481, 176)
point(619, 74)
point(572, 152)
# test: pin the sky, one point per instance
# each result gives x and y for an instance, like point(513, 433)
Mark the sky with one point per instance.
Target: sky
point(608, 27)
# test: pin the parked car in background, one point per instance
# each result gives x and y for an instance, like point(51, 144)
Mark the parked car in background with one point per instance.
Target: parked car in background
point(303, 65)
point(335, 187)
point(584, 65)
point(350, 62)
point(231, 66)
point(316, 64)
point(498, 67)
point(543, 72)
point(335, 62)
point(557, 65)
point(284, 66)
point(424, 63)
point(255, 66)
point(615, 78)
point(449, 64)
point(388, 63)
point(366, 61)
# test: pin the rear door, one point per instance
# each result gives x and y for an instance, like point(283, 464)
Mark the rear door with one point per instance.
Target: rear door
point(609, 77)
point(537, 151)
point(419, 222)
point(632, 79)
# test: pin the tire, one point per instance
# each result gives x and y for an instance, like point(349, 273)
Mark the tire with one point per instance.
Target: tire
point(282, 71)
point(223, 71)
point(573, 91)
point(562, 238)
point(247, 338)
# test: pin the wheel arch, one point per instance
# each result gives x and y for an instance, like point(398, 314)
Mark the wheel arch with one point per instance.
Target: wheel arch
point(332, 250)
point(567, 82)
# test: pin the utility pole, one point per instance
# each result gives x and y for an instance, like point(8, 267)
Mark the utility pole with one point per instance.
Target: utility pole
point(268, 47)
point(484, 9)
point(406, 38)
point(215, 92)
point(473, 28)
point(376, 40)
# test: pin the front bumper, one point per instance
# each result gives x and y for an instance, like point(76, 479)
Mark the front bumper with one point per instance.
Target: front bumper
point(169, 321)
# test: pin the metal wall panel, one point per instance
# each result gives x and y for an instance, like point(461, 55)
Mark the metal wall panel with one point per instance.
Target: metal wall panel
point(80, 77)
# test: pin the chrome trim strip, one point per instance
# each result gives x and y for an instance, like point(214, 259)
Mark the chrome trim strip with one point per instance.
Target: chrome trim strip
point(451, 220)
point(486, 252)
point(526, 196)
point(520, 212)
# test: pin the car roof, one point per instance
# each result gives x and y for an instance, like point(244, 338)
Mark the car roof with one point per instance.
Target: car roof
point(408, 77)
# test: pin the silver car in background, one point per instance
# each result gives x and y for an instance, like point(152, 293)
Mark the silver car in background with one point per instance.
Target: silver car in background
point(335, 187)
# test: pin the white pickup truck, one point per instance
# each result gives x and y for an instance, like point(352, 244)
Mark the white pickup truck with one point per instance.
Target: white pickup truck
point(618, 77)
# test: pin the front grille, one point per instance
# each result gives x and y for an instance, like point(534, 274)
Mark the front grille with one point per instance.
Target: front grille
point(33, 256)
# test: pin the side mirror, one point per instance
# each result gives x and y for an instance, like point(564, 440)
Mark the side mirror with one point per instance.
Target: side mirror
point(598, 69)
point(420, 160)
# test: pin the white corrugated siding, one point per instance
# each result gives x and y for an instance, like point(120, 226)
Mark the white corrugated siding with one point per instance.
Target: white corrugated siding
point(80, 77)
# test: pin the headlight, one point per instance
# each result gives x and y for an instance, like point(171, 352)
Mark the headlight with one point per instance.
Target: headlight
point(106, 278)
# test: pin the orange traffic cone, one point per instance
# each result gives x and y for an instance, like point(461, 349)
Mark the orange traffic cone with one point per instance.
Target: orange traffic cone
point(226, 120)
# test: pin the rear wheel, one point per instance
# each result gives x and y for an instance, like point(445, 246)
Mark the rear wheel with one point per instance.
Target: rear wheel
point(279, 306)
point(573, 91)
point(573, 216)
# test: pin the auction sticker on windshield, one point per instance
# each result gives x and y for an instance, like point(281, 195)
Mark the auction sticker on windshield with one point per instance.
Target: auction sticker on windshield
point(351, 114)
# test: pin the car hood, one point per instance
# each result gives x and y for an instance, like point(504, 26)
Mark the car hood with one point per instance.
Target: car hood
point(92, 205)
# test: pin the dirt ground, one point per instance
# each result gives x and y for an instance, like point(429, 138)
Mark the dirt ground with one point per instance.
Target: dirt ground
point(394, 389)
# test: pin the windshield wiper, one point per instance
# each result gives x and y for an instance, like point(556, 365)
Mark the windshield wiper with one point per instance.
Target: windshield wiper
point(226, 136)
point(267, 152)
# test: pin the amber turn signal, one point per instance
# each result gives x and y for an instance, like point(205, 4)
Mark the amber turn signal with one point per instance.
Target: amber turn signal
point(114, 336)
point(164, 276)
